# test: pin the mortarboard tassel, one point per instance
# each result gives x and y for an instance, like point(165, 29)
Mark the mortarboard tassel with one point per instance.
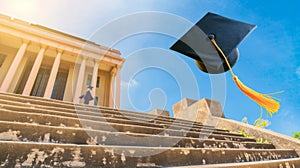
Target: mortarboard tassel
point(264, 100)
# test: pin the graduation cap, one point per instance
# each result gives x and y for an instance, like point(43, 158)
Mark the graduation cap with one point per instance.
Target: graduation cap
point(90, 87)
point(212, 43)
point(228, 34)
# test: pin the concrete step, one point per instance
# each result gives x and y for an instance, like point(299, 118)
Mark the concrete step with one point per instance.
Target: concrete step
point(69, 107)
point(65, 106)
point(88, 110)
point(21, 107)
point(9, 116)
point(14, 131)
point(38, 132)
point(55, 120)
point(281, 163)
point(14, 154)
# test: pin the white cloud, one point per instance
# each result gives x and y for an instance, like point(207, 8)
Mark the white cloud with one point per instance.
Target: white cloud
point(298, 72)
point(284, 113)
point(129, 84)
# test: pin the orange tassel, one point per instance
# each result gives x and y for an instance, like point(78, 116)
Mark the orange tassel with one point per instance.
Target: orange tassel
point(264, 100)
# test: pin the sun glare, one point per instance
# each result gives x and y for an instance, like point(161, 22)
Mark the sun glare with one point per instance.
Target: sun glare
point(20, 8)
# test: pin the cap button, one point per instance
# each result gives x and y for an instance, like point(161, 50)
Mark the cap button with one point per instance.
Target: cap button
point(211, 36)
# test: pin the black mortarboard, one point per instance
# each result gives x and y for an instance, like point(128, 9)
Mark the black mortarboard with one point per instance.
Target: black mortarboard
point(227, 33)
point(90, 87)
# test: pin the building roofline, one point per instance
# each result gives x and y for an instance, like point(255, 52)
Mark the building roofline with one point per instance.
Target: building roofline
point(44, 28)
point(75, 37)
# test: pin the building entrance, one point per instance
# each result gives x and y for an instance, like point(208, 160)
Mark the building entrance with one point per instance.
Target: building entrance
point(60, 85)
point(41, 81)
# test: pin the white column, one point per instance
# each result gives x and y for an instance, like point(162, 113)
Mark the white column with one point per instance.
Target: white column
point(69, 91)
point(118, 83)
point(14, 66)
point(94, 80)
point(78, 90)
point(53, 74)
point(34, 71)
point(112, 87)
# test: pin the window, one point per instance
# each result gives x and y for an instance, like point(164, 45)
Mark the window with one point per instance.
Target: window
point(98, 82)
point(2, 59)
point(89, 80)
point(96, 101)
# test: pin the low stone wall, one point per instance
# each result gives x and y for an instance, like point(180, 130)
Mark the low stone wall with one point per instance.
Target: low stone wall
point(199, 111)
point(209, 112)
point(160, 112)
point(278, 140)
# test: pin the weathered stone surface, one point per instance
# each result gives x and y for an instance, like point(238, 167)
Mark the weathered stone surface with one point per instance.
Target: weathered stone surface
point(73, 111)
point(12, 131)
point(199, 111)
point(160, 112)
point(282, 163)
point(37, 132)
point(45, 154)
point(180, 107)
point(280, 141)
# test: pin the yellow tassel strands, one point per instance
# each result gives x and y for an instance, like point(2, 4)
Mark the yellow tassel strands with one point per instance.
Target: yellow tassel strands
point(264, 100)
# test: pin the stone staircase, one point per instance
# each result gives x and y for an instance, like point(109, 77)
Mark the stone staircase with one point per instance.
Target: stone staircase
point(37, 132)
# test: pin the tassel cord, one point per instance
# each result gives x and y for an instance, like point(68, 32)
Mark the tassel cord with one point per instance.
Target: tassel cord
point(222, 53)
point(264, 100)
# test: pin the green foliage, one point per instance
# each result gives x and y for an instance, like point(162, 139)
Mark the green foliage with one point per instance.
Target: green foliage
point(266, 142)
point(242, 132)
point(261, 123)
point(261, 140)
point(245, 120)
point(296, 135)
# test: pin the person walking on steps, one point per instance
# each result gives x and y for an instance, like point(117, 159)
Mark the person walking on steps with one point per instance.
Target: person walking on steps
point(87, 97)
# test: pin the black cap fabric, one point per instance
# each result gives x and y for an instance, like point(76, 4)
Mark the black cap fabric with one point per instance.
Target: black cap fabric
point(227, 33)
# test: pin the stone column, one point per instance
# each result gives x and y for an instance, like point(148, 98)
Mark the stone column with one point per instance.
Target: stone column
point(94, 80)
point(118, 83)
point(14, 66)
point(112, 88)
point(34, 71)
point(53, 74)
point(78, 89)
point(69, 89)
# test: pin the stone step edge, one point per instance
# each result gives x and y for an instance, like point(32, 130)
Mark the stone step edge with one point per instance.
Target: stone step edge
point(164, 156)
point(74, 115)
point(277, 139)
point(279, 163)
point(123, 133)
point(70, 104)
point(137, 126)
point(76, 128)
point(34, 98)
point(146, 148)
point(132, 114)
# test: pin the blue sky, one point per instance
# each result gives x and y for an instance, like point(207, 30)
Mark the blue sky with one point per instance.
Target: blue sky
point(155, 77)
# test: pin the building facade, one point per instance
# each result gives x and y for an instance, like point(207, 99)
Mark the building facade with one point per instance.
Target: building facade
point(38, 61)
